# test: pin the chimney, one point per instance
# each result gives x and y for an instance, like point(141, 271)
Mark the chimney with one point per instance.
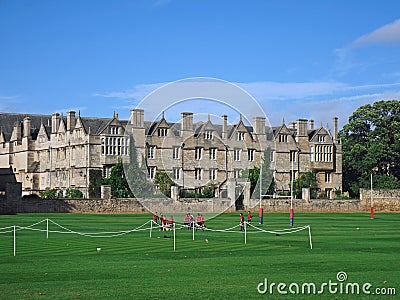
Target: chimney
point(17, 132)
point(71, 121)
point(115, 115)
point(55, 122)
point(27, 127)
point(292, 125)
point(224, 126)
point(302, 127)
point(137, 118)
point(187, 121)
point(259, 125)
point(311, 124)
point(335, 129)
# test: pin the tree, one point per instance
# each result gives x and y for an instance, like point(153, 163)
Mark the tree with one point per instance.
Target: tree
point(118, 182)
point(268, 183)
point(164, 183)
point(306, 180)
point(136, 175)
point(371, 144)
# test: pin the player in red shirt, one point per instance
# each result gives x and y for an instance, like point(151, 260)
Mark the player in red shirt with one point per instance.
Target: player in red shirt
point(249, 216)
point(155, 217)
point(241, 222)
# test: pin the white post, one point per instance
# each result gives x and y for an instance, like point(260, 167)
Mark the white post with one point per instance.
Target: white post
point(193, 229)
point(291, 187)
point(245, 232)
point(309, 234)
point(260, 183)
point(151, 227)
point(372, 202)
point(47, 228)
point(15, 244)
point(174, 238)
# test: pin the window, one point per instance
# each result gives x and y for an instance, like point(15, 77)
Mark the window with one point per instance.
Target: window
point(208, 135)
point(150, 152)
point(240, 136)
point(198, 153)
point(175, 152)
point(323, 153)
point(162, 131)
point(236, 154)
point(213, 153)
point(312, 153)
point(236, 173)
point(321, 138)
point(293, 155)
point(151, 171)
point(272, 156)
point(197, 174)
point(177, 173)
point(213, 174)
point(283, 138)
point(327, 177)
point(106, 171)
point(250, 154)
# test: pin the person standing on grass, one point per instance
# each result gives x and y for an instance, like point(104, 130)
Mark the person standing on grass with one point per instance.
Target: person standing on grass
point(249, 216)
point(241, 222)
point(155, 217)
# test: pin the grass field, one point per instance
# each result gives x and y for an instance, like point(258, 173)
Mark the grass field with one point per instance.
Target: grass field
point(133, 266)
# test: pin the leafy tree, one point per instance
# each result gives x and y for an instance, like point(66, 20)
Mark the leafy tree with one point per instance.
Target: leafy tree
point(73, 193)
point(118, 182)
point(371, 144)
point(164, 183)
point(306, 180)
point(136, 175)
point(268, 183)
point(95, 180)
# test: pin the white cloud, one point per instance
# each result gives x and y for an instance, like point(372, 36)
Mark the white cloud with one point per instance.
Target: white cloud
point(389, 33)
point(9, 97)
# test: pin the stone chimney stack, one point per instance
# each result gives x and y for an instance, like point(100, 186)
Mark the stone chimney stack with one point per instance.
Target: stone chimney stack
point(335, 129)
point(187, 123)
point(259, 125)
point(137, 118)
point(27, 127)
point(292, 125)
point(55, 122)
point(224, 126)
point(71, 120)
point(311, 124)
point(302, 127)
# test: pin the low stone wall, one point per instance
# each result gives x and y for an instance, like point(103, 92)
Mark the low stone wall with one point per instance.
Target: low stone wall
point(114, 206)
point(313, 205)
point(383, 199)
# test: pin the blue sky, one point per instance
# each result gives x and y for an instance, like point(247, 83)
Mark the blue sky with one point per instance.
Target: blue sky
point(298, 59)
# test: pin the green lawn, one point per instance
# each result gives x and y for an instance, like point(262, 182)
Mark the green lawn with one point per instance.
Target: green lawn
point(133, 266)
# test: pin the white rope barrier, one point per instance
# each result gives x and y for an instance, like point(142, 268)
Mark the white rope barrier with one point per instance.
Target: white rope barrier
point(111, 234)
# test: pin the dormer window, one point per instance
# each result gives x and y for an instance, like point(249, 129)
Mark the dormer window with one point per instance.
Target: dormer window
point(240, 136)
point(208, 135)
point(283, 138)
point(162, 131)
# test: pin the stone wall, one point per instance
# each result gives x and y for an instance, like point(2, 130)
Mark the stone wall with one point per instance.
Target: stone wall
point(383, 199)
point(314, 205)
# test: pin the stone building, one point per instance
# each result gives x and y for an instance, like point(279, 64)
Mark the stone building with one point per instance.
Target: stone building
point(64, 152)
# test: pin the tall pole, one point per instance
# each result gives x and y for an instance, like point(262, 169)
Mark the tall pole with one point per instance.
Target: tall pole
point(174, 237)
point(291, 213)
point(260, 213)
point(372, 214)
point(15, 244)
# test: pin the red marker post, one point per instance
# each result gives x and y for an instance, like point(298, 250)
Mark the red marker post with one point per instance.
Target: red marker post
point(260, 213)
point(291, 217)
